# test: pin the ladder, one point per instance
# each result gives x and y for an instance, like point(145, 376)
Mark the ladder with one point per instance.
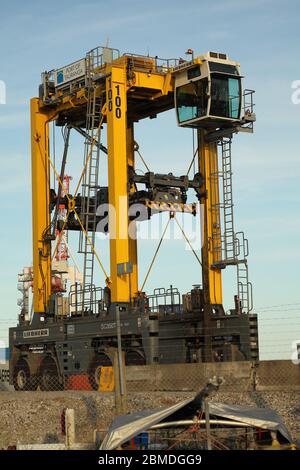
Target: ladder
point(227, 203)
point(223, 237)
point(244, 286)
point(216, 234)
point(90, 185)
point(229, 248)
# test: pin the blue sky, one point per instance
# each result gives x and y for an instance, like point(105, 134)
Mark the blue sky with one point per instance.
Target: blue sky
point(264, 37)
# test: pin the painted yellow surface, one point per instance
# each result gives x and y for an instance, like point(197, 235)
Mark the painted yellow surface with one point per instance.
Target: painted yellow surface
point(211, 243)
point(40, 169)
point(107, 379)
point(117, 183)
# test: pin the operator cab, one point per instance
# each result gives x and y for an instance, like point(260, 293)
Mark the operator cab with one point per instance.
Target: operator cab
point(208, 92)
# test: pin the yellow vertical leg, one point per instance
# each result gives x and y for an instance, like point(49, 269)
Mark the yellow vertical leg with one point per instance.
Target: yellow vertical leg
point(40, 208)
point(117, 184)
point(211, 245)
point(133, 257)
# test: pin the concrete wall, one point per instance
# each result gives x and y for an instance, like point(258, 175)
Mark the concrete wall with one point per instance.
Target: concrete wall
point(277, 375)
point(270, 375)
point(187, 377)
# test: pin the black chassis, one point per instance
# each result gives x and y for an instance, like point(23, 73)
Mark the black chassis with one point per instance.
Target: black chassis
point(74, 342)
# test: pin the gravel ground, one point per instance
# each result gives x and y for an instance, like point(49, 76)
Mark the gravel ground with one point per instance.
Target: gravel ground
point(34, 417)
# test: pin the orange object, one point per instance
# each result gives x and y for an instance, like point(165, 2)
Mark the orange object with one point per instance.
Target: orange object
point(78, 382)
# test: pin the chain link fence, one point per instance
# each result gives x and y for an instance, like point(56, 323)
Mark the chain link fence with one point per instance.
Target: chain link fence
point(35, 417)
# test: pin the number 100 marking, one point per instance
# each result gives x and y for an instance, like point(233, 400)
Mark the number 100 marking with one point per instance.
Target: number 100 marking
point(118, 111)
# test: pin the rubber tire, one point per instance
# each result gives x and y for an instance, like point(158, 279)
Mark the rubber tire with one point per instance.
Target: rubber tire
point(49, 377)
point(21, 367)
point(134, 357)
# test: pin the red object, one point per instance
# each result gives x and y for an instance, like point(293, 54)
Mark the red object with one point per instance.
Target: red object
point(78, 382)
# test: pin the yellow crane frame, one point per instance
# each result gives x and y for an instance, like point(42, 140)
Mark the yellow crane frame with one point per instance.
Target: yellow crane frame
point(144, 92)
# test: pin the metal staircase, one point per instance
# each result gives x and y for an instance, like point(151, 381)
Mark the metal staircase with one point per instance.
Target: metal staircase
point(234, 246)
point(90, 181)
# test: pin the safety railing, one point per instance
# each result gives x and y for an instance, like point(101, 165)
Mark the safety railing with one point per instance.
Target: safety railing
point(165, 301)
point(152, 64)
point(100, 55)
point(87, 301)
point(248, 114)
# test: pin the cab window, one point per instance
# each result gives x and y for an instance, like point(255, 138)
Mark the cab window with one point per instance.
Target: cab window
point(192, 100)
point(225, 96)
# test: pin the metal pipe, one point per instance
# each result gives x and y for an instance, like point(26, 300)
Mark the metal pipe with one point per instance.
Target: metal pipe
point(190, 422)
point(120, 358)
point(62, 174)
point(207, 424)
point(89, 138)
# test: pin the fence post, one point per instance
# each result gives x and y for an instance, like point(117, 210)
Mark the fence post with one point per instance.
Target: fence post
point(207, 424)
point(120, 391)
point(70, 428)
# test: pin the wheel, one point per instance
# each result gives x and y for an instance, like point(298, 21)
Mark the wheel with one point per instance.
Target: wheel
point(21, 376)
point(49, 376)
point(101, 360)
point(135, 357)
